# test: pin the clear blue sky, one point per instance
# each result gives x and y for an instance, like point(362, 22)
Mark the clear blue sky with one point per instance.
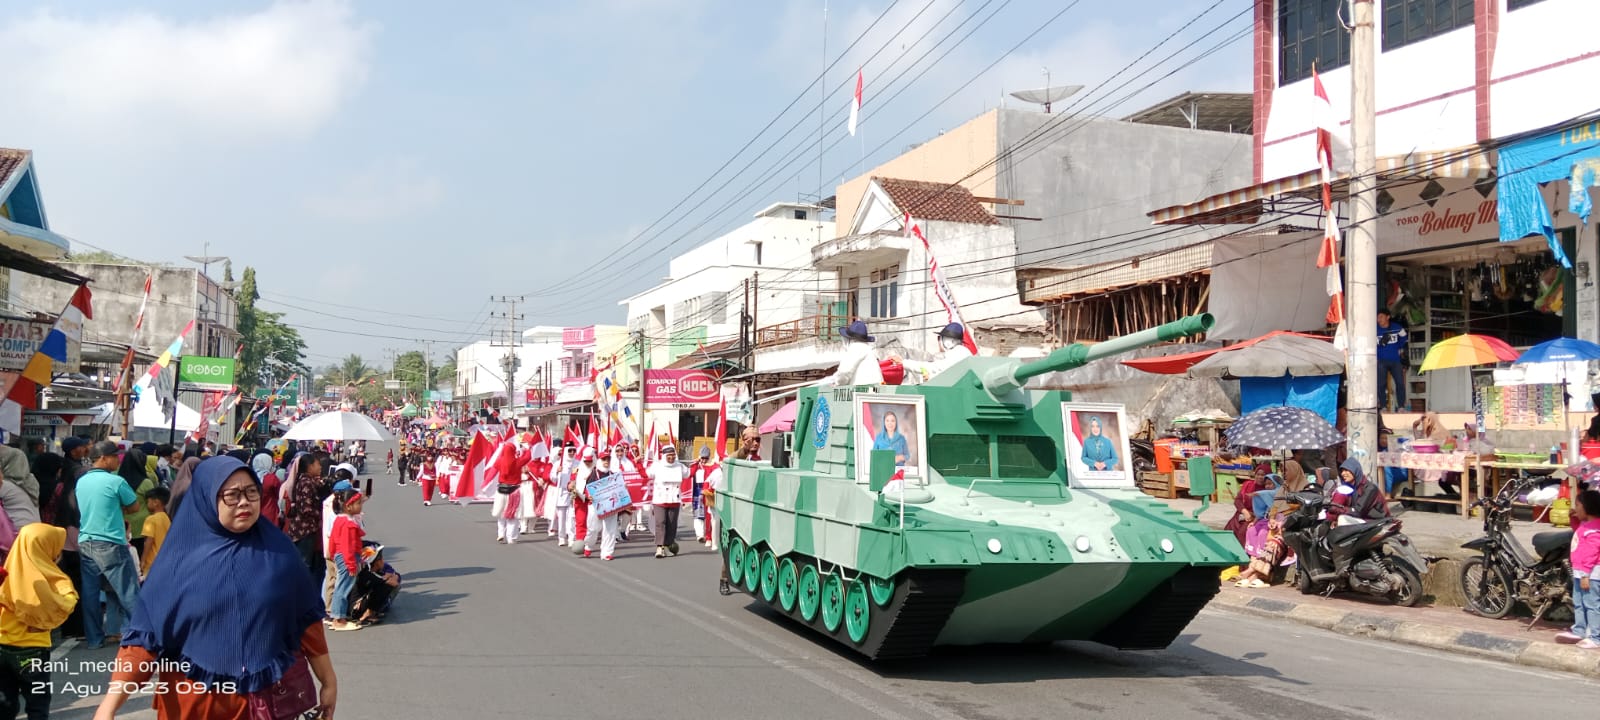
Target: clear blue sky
point(417, 157)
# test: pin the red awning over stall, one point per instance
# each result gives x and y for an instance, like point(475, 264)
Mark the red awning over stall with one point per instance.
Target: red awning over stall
point(1179, 364)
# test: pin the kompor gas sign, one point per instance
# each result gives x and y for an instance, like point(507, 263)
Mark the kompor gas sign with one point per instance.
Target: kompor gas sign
point(681, 389)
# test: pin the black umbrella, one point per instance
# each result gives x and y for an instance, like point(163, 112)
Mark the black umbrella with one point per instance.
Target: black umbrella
point(1283, 428)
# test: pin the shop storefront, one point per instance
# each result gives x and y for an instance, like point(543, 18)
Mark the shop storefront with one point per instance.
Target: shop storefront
point(1444, 271)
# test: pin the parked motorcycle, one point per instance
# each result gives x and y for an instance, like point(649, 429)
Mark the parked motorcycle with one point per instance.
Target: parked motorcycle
point(1373, 557)
point(1507, 572)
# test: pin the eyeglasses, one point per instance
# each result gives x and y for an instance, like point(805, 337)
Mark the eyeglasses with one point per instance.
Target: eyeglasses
point(236, 495)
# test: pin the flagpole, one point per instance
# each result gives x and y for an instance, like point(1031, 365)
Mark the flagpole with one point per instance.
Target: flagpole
point(177, 370)
point(822, 87)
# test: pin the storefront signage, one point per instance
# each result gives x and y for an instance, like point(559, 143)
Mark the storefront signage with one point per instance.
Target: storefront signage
point(19, 340)
point(1437, 213)
point(206, 374)
point(681, 389)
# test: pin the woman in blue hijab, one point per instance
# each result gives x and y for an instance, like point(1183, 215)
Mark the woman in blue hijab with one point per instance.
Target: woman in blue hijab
point(890, 438)
point(228, 600)
point(1098, 452)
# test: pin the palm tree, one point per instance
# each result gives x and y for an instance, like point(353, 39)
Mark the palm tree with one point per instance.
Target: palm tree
point(350, 372)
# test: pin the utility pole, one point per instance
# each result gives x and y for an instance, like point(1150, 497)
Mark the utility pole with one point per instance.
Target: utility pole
point(510, 362)
point(744, 328)
point(427, 370)
point(1361, 254)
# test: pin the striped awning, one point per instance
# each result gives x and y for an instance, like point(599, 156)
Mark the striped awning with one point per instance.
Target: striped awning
point(1244, 205)
point(1235, 207)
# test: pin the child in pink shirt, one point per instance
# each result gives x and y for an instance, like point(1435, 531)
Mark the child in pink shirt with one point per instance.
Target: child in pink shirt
point(1585, 572)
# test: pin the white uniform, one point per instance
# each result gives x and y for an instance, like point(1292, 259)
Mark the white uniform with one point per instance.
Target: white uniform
point(859, 366)
point(947, 361)
point(601, 531)
point(563, 519)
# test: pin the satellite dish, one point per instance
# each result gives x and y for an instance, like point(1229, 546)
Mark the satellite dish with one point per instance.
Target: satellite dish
point(1047, 96)
point(205, 259)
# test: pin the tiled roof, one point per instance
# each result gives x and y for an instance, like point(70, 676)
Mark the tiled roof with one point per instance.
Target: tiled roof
point(936, 201)
point(10, 160)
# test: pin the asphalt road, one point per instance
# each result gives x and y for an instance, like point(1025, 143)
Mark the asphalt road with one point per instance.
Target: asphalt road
point(487, 630)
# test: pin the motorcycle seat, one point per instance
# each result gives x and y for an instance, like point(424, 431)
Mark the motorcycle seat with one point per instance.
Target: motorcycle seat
point(1546, 543)
point(1348, 533)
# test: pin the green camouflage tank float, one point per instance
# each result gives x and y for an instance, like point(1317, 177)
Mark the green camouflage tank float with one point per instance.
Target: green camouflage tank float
point(945, 514)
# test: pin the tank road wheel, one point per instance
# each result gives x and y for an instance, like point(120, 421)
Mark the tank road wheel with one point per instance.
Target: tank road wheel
point(857, 611)
point(736, 553)
point(752, 569)
point(788, 584)
point(809, 593)
point(832, 602)
point(882, 591)
point(769, 576)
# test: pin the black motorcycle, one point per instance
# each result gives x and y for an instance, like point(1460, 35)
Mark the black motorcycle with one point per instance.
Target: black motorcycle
point(1507, 572)
point(1373, 557)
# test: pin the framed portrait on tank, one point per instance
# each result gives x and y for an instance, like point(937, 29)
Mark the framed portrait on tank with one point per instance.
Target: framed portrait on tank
point(1097, 445)
point(892, 422)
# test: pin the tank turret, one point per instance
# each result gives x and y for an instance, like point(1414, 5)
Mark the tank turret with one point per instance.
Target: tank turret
point(954, 513)
point(1010, 377)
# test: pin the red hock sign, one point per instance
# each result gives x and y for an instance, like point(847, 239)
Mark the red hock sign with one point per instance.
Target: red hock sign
point(681, 389)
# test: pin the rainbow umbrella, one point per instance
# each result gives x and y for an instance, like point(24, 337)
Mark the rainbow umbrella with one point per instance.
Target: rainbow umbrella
point(1464, 350)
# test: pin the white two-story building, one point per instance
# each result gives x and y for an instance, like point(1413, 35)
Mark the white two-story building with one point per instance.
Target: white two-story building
point(1481, 115)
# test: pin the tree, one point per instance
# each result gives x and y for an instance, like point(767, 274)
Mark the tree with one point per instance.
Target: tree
point(271, 350)
point(350, 372)
point(444, 374)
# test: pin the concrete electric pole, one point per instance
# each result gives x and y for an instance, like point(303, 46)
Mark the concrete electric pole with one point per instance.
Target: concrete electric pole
point(510, 362)
point(1361, 254)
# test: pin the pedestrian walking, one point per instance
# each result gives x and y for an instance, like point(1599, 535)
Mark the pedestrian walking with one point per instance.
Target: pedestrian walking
point(36, 597)
point(105, 560)
point(602, 530)
point(667, 476)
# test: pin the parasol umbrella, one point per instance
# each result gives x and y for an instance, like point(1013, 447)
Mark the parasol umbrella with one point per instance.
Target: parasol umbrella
point(338, 425)
point(410, 411)
point(782, 420)
point(1561, 351)
point(1283, 428)
point(1464, 350)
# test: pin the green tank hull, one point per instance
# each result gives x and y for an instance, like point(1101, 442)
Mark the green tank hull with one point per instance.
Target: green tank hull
point(986, 539)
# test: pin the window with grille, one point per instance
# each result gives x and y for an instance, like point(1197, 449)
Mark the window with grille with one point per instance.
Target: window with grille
point(852, 297)
point(1409, 21)
point(884, 292)
point(1310, 34)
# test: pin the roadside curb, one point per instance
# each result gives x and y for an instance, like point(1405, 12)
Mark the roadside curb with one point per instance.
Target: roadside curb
point(1532, 653)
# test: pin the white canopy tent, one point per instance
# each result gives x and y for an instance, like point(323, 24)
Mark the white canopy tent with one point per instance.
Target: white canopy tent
point(147, 414)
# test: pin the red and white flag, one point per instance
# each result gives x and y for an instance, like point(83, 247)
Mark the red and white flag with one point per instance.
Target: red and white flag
point(138, 321)
point(722, 429)
point(1328, 254)
point(855, 105)
point(941, 287)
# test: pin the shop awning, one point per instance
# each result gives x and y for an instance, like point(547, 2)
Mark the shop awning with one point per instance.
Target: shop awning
point(1180, 364)
point(555, 409)
point(1244, 205)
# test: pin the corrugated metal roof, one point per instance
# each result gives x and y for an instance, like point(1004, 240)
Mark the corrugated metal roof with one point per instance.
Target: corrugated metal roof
point(1045, 286)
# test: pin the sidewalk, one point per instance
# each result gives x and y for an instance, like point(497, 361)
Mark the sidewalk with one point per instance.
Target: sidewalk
point(1440, 622)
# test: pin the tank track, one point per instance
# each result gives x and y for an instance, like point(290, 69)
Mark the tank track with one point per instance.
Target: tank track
point(906, 627)
point(1162, 615)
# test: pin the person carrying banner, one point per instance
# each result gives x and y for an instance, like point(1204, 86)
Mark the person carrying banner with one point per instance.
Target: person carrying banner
point(601, 530)
point(667, 476)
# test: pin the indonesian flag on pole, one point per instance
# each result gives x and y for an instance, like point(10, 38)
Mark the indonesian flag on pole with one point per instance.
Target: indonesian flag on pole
point(1328, 254)
point(855, 105)
point(538, 446)
point(476, 467)
point(722, 429)
point(941, 287)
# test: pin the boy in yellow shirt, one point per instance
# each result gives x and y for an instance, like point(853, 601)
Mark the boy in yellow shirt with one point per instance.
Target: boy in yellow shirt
point(156, 525)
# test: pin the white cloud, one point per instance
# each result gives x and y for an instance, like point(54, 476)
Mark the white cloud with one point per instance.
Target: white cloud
point(283, 70)
point(387, 189)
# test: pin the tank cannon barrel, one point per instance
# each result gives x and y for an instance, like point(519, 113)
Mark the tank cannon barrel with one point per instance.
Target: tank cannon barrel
point(1003, 380)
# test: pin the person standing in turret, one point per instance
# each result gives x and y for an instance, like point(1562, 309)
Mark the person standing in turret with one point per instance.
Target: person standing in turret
point(859, 366)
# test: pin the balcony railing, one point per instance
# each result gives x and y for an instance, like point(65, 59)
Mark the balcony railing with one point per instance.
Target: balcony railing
point(809, 328)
